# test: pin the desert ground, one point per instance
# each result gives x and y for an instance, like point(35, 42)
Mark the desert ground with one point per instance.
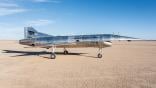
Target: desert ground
point(124, 65)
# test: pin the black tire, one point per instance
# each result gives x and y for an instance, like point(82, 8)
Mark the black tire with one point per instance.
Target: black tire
point(65, 52)
point(52, 56)
point(99, 55)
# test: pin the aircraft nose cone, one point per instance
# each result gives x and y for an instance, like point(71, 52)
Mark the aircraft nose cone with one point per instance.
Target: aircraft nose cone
point(108, 43)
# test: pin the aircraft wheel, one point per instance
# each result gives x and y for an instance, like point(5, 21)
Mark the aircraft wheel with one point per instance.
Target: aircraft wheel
point(99, 55)
point(65, 52)
point(52, 56)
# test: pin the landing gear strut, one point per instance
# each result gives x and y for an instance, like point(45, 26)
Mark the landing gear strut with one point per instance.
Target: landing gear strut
point(53, 55)
point(65, 51)
point(100, 53)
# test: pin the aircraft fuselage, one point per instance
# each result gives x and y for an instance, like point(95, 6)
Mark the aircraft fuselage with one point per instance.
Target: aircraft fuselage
point(99, 40)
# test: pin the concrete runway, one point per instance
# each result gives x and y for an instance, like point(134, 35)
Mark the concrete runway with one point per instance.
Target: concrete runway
point(124, 65)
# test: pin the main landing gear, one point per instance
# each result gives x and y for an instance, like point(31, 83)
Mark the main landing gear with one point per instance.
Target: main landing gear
point(53, 55)
point(65, 51)
point(100, 53)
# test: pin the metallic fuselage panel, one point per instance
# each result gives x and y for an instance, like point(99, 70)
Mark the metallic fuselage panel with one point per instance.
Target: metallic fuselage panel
point(69, 41)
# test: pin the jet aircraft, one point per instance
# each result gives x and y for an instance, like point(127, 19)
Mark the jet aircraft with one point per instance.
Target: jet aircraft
point(37, 39)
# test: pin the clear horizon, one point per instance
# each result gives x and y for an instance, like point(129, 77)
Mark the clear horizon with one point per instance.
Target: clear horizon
point(133, 18)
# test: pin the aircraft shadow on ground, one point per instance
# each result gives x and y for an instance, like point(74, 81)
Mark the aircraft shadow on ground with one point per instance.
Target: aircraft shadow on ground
point(33, 53)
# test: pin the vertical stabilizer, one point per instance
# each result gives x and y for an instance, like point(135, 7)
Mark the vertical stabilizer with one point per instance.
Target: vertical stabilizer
point(30, 32)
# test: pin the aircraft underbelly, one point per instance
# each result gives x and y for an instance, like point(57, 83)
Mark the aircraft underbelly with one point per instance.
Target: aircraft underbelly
point(83, 44)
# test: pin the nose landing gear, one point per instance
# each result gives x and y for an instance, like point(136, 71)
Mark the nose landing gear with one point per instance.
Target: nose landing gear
point(100, 53)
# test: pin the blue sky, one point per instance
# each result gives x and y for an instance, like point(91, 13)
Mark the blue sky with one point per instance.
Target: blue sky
point(135, 18)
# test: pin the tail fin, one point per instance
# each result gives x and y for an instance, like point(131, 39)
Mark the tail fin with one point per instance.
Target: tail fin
point(30, 32)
